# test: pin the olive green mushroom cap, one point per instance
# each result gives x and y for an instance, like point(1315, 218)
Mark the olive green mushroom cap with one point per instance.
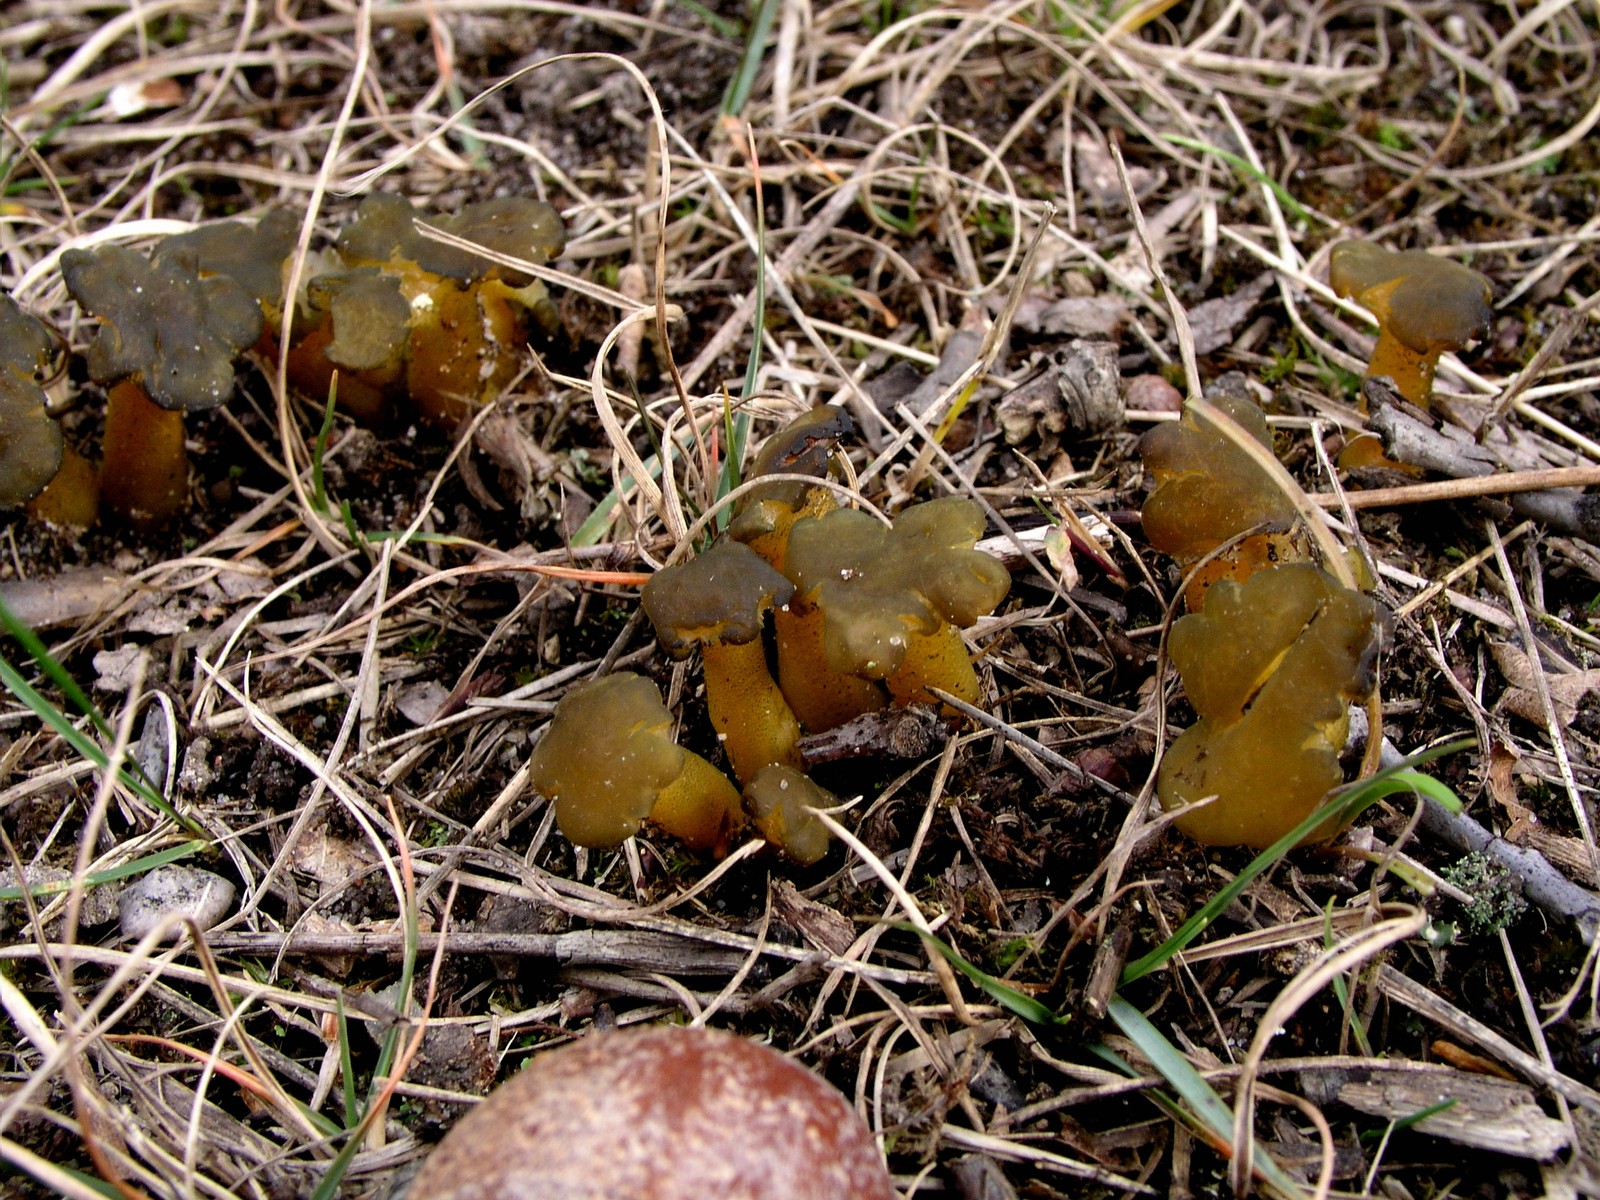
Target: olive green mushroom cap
point(717, 597)
point(30, 440)
point(162, 324)
point(777, 799)
point(605, 758)
point(1208, 490)
point(251, 255)
point(877, 586)
point(802, 447)
point(384, 230)
point(371, 317)
point(1431, 303)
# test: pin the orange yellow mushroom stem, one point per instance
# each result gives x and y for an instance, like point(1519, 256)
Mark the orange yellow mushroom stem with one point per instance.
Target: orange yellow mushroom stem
point(749, 713)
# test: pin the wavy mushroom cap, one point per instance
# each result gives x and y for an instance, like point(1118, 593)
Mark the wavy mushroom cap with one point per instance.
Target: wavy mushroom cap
point(162, 324)
point(802, 447)
point(876, 586)
point(1208, 490)
point(1430, 304)
point(1271, 667)
point(251, 255)
point(384, 231)
point(716, 597)
point(605, 759)
point(369, 318)
point(30, 440)
point(663, 1113)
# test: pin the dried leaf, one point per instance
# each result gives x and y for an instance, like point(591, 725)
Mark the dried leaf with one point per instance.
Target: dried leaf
point(1567, 688)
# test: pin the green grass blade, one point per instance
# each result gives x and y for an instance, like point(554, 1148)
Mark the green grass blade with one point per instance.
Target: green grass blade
point(319, 495)
point(755, 49)
point(1347, 804)
point(347, 1069)
point(1243, 167)
point(57, 674)
point(138, 866)
point(1002, 993)
point(1202, 1100)
point(86, 746)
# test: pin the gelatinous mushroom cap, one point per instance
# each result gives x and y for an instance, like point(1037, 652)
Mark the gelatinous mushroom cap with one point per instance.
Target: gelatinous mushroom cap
point(1271, 667)
point(1430, 304)
point(718, 596)
point(161, 324)
point(30, 440)
point(384, 231)
point(1207, 489)
point(875, 586)
point(251, 255)
point(664, 1113)
point(777, 799)
point(512, 225)
point(802, 447)
point(605, 758)
point(370, 317)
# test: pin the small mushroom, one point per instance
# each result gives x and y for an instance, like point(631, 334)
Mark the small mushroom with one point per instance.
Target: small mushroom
point(662, 1113)
point(253, 256)
point(30, 440)
point(777, 799)
point(361, 323)
point(718, 601)
point(166, 345)
point(804, 446)
point(385, 232)
point(608, 763)
point(893, 600)
point(467, 314)
point(1424, 305)
point(1272, 668)
point(1208, 492)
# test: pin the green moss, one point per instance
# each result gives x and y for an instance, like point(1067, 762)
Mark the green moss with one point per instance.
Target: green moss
point(1496, 903)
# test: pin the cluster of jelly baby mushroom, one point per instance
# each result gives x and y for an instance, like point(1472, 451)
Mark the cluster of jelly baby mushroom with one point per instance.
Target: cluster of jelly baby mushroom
point(865, 614)
point(399, 316)
point(1275, 649)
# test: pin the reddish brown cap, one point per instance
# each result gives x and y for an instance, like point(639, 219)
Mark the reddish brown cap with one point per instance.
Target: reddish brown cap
point(664, 1113)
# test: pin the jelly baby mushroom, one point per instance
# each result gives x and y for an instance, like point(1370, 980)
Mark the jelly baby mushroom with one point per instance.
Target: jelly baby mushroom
point(30, 439)
point(1271, 667)
point(467, 312)
point(1424, 305)
point(777, 800)
point(718, 601)
point(165, 346)
point(892, 601)
point(1209, 492)
point(608, 763)
point(662, 1113)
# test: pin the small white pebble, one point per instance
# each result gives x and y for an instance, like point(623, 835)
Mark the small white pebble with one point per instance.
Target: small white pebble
point(199, 895)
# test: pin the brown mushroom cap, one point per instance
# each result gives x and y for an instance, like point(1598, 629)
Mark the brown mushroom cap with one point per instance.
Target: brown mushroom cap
point(663, 1113)
point(1430, 304)
point(30, 440)
point(605, 758)
point(718, 596)
point(162, 324)
point(875, 586)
